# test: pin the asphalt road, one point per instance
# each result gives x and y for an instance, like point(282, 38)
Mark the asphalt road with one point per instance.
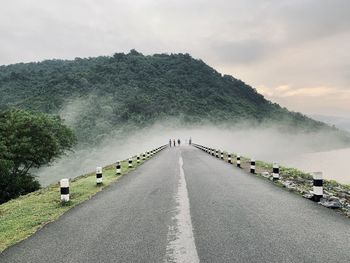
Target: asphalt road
point(186, 206)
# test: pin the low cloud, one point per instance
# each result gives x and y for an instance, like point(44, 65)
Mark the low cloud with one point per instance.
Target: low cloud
point(266, 142)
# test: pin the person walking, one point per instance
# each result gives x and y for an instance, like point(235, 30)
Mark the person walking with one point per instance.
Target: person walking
point(169, 142)
point(190, 141)
point(174, 142)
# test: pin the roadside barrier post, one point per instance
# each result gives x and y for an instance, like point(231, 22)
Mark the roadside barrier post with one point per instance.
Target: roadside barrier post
point(64, 188)
point(98, 175)
point(252, 166)
point(212, 152)
point(275, 172)
point(217, 154)
point(229, 158)
point(138, 158)
point(118, 167)
point(238, 161)
point(222, 155)
point(143, 156)
point(148, 155)
point(130, 162)
point(318, 186)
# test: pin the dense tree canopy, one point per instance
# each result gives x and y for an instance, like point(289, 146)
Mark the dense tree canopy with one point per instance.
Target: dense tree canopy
point(27, 141)
point(97, 95)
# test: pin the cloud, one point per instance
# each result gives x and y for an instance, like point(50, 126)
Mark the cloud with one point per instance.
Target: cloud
point(288, 91)
point(309, 20)
point(321, 100)
point(302, 42)
point(243, 51)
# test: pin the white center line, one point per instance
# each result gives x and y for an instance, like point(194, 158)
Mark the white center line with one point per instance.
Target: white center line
point(181, 245)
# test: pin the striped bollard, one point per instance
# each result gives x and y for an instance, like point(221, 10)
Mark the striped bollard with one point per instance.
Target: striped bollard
point(64, 188)
point(138, 158)
point(217, 154)
point(148, 155)
point(143, 156)
point(118, 168)
point(238, 161)
point(98, 175)
point(252, 166)
point(212, 152)
point(318, 187)
point(229, 158)
point(130, 163)
point(275, 172)
point(222, 155)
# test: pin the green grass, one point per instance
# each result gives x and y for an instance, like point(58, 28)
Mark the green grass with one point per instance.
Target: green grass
point(21, 217)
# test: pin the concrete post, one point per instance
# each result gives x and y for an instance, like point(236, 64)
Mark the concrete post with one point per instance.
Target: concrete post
point(98, 175)
point(64, 189)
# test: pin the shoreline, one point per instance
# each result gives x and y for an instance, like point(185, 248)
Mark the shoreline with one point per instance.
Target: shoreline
point(335, 195)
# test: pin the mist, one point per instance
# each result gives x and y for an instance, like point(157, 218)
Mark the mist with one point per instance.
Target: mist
point(259, 142)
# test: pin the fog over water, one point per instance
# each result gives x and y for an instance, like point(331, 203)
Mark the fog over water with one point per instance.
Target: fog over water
point(262, 143)
point(334, 164)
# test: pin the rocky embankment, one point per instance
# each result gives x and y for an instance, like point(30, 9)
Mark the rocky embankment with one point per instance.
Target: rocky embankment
point(335, 195)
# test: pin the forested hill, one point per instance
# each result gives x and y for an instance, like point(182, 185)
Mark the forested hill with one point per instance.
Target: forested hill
point(97, 95)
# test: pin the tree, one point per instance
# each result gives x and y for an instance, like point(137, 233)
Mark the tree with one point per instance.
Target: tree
point(28, 140)
point(126, 92)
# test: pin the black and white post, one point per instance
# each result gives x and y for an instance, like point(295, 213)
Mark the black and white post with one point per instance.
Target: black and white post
point(222, 155)
point(217, 153)
point(252, 166)
point(138, 159)
point(318, 186)
point(143, 156)
point(238, 161)
point(98, 175)
point(275, 172)
point(229, 158)
point(130, 163)
point(118, 168)
point(64, 188)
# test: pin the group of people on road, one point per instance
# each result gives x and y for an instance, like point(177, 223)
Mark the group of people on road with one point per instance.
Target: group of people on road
point(172, 142)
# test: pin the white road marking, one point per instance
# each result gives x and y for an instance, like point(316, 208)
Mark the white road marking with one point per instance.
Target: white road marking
point(181, 245)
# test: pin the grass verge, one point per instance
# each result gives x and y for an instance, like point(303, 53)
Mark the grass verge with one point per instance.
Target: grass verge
point(22, 217)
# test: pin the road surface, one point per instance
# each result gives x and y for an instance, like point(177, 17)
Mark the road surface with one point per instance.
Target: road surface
point(187, 206)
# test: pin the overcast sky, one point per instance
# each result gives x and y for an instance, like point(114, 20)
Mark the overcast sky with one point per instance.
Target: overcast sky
point(295, 52)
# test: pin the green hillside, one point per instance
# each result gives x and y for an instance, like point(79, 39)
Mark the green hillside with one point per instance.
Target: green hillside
point(127, 91)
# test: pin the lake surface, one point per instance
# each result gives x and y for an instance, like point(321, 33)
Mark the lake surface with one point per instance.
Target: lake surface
point(334, 164)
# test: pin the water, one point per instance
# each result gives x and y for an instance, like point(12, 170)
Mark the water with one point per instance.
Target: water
point(334, 164)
